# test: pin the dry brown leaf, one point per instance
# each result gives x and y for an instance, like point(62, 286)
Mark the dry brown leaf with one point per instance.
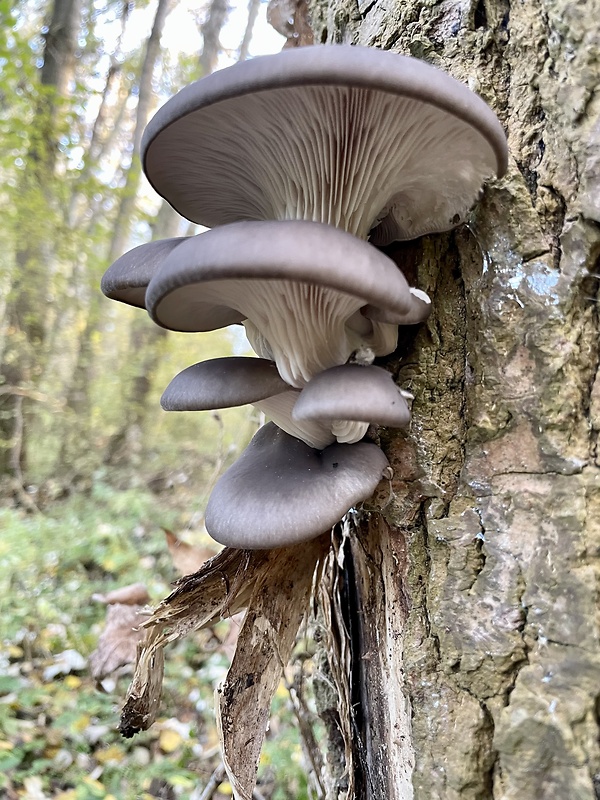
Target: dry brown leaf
point(118, 641)
point(278, 604)
point(134, 594)
point(186, 558)
point(222, 587)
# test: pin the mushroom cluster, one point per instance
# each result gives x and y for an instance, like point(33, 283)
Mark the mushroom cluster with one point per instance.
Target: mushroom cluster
point(300, 163)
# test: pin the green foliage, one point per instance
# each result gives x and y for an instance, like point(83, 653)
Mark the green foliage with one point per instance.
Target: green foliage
point(57, 729)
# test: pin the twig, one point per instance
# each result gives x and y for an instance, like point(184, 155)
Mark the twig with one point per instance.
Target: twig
point(30, 394)
point(215, 780)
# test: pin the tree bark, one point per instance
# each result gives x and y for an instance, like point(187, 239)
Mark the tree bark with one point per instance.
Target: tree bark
point(473, 588)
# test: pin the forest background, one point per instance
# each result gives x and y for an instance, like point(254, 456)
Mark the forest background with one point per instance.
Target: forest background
point(99, 488)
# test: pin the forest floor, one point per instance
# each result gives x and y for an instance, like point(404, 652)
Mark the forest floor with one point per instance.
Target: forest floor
point(58, 726)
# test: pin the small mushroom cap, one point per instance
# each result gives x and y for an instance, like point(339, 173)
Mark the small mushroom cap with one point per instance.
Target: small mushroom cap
point(353, 392)
point(281, 491)
point(199, 286)
point(127, 279)
point(229, 382)
point(351, 136)
point(223, 383)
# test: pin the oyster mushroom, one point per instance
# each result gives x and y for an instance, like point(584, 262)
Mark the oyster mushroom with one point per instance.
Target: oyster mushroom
point(351, 394)
point(281, 491)
point(306, 293)
point(223, 383)
point(338, 404)
point(127, 279)
point(236, 381)
point(354, 137)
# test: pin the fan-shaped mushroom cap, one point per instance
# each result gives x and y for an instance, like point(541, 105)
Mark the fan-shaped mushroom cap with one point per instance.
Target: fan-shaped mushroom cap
point(223, 383)
point(281, 492)
point(352, 392)
point(235, 381)
point(127, 279)
point(350, 136)
point(299, 286)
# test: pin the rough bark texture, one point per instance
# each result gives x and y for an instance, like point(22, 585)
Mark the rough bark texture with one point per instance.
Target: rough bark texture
point(478, 588)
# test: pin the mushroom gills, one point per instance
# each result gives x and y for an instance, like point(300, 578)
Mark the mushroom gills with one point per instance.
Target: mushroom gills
point(353, 137)
point(309, 295)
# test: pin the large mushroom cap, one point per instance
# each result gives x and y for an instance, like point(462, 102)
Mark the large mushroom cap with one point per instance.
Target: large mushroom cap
point(350, 136)
point(281, 492)
point(127, 279)
point(299, 286)
point(355, 393)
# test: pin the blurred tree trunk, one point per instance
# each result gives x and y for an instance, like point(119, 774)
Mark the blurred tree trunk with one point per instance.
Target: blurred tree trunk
point(253, 9)
point(145, 349)
point(471, 595)
point(33, 260)
point(144, 353)
point(60, 43)
point(126, 209)
point(145, 340)
point(211, 35)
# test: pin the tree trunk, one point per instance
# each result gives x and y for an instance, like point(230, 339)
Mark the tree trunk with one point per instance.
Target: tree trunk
point(124, 217)
point(253, 9)
point(26, 285)
point(472, 589)
point(211, 32)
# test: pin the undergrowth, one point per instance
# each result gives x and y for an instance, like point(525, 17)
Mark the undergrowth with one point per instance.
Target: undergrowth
point(58, 730)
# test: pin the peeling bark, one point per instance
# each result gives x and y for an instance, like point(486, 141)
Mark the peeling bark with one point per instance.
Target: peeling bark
point(476, 587)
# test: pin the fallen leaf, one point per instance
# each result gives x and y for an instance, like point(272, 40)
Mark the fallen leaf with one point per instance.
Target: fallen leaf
point(112, 753)
point(169, 740)
point(64, 663)
point(33, 789)
point(186, 558)
point(135, 594)
point(117, 645)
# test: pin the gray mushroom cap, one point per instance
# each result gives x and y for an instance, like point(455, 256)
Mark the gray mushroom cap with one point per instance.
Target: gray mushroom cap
point(281, 491)
point(235, 381)
point(127, 279)
point(351, 136)
point(353, 392)
point(302, 289)
point(223, 383)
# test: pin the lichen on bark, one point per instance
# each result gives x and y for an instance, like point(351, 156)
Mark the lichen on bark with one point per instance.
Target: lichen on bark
point(496, 493)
